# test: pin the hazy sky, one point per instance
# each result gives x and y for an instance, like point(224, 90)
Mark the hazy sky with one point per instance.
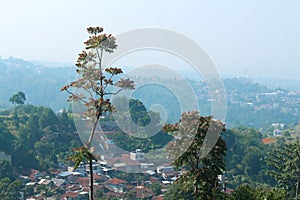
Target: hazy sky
point(261, 36)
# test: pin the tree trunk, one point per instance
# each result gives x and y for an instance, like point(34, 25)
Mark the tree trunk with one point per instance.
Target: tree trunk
point(91, 193)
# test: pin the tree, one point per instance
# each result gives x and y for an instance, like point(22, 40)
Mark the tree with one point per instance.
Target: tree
point(175, 192)
point(6, 139)
point(5, 169)
point(45, 154)
point(246, 192)
point(204, 163)
point(156, 188)
point(245, 157)
point(10, 189)
point(285, 167)
point(96, 81)
point(19, 98)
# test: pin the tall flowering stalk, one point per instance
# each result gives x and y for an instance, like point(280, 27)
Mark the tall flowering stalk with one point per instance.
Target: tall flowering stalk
point(96, 83)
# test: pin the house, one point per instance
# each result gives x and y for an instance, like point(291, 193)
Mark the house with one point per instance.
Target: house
point(147, 168)
point(124, 163)
point(269, 140)
point(33, 174)
point(58, 182)
point(142, 192)
point(81, 169)
point(83, 181)
point(98, 178)
point(46, 182)
point(69, 176)
point(279, 126)
point(97, 168)
point(137, 155)
point(167, 171)
point(75, 196)
point(36, 197)
point(116, 185)
point(158, 198)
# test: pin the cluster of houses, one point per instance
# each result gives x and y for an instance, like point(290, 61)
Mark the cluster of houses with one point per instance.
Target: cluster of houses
point(70, 184)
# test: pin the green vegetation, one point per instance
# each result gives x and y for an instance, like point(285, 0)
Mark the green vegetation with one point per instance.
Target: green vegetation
point(245, 158)
point(18, 99)
point(246, 192)
point(285, 167)
point(36, 137)
point(203, 165)
point(140, 116)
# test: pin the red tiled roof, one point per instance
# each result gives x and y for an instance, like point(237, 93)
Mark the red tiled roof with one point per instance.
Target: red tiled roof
point(97, 177)
point(55, 171)
point(71, 194)
point(229, 191)
point(86, 189)
point(142, 192)
point(129, 187)
point(75, 188)
point(158, 198)
point(84, 181)
point(114, 181)
point(98, 186)
point(171, 173)
point(109, 188)
point(269, 140)
point(37, 197)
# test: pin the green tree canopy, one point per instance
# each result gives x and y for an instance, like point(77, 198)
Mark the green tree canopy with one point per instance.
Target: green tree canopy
point(204, 163)
point(19, 98)
point(285, 167)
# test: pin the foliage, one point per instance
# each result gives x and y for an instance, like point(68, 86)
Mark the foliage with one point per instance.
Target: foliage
point(246, 192)
point(285, 167)
point(10, 190)
point(175, 192)
point(80, 155)
point(6, 138)
point(5, 169)
point(40, 136)
point(156, 188)
point(137, 115)
point(205, 159)
point(19, 98)
point(245, 157)
point(131, 143)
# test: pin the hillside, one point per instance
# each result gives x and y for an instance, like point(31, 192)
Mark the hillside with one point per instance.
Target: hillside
point(249, 103)
point(41, 84)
